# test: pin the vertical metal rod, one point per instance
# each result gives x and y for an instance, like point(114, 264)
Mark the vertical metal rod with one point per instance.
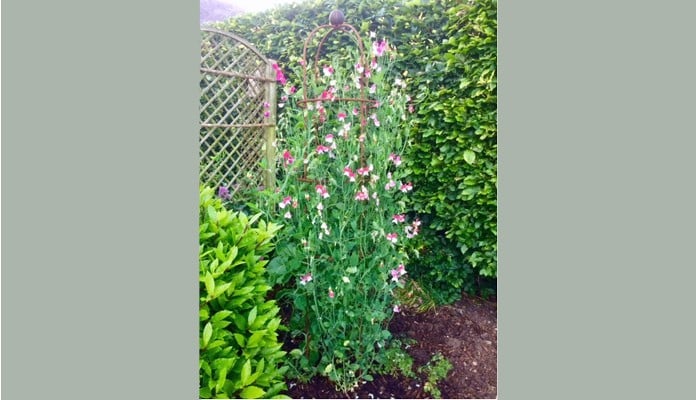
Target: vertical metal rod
point(270, 131)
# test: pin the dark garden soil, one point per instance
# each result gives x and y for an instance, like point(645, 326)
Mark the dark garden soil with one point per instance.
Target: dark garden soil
point(465, 333)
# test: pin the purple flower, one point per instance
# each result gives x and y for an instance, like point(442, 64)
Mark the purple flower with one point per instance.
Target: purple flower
point(224, 193)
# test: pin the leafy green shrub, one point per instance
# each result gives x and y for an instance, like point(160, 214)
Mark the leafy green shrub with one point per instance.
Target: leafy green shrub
point(239, 352)
point(453, 160)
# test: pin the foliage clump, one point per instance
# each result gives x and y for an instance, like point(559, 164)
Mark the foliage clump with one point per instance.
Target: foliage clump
point(240, 356)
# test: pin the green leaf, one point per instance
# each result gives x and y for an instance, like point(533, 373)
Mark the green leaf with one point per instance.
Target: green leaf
point(256, 338)
point(328, 369)
point(252, 316)
point(207, 333)
point(246, 372)
point(252, 392)
point(212, 214)
point(469, 156)
point(221, 380)
point(241, 341)
point(297, 353)
point(209, 284)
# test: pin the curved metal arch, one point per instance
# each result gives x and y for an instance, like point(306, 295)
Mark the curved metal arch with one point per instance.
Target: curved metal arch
point(240, 40)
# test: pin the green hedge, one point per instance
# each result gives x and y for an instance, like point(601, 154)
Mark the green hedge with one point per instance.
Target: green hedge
point(240, 356)
point(453, 160)
point(447, 53)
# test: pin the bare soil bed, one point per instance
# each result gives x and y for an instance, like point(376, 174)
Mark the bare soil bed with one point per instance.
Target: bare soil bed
point(465, 333)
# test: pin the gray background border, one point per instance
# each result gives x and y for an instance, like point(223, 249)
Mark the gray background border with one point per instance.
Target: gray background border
point(99, 189)
point(99, 199)
point(596, 197)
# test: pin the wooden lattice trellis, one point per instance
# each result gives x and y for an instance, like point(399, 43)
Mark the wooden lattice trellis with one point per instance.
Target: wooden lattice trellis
point(237, 113)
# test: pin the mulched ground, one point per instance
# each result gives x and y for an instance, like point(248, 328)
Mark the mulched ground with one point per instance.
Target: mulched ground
point(466, 333)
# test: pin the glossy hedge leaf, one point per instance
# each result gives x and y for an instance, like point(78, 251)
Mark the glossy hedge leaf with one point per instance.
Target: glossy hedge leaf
point(469, 156)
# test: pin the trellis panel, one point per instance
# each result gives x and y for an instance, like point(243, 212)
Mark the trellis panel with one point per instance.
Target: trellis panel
point(237, 113)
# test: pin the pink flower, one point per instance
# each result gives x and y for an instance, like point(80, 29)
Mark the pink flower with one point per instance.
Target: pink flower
point(341, 116)
point(347, 171)
point(279, 74)
point(396, 308)
point(397, 273)
point(395, 159)
point(320, 207)
point(329, 138)
point(374, 119)
point(331, 293)
point(410, 108)
point(406, 187)
point(288, 158)
point(293, 90)
point(365, 171)
point(359, 68)
point(266, 114)
point(287, 200)
point(375, 66)
point(322, 191)
point(362, 195)
point(391, 184)
point(373, 88)
point(398, 218)
point(306, 279)
point(392, 237)
point(328, 70)
point(356, 111)
point(321, 149)
point(413, 229)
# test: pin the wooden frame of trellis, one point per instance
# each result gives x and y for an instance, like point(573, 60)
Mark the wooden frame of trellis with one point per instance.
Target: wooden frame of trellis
point(237, 113)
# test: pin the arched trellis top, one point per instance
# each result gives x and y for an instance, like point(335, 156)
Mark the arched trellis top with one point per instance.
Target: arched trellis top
point(237, 112)
point(238, 39)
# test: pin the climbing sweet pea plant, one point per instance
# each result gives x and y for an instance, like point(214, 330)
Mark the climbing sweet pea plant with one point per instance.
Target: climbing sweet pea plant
point(340, 196)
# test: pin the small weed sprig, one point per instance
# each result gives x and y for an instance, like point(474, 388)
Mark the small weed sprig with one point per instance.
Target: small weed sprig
point(436, 369)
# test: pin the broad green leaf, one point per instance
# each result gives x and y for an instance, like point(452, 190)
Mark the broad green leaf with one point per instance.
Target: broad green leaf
point(246, 371)
point(221, 289)
point(252, 316)
point(256, 338)
point(220, 315)
point(469, 156)
point(252, 392)
point(222, 377)
point(241, 341)
point(297, 353)
point(209, 284)
point(212, 214)
point(207, 333)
